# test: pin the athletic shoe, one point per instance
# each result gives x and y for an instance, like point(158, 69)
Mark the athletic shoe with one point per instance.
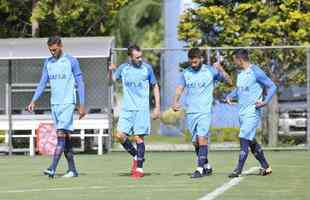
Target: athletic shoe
point(197, 174)
point(70, 174)
point(207, 171)
point(234, 174)
point(137, 174)
point(50, 173)
point(265, 172)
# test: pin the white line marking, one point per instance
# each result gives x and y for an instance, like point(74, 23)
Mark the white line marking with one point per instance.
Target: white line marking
point(105, 188)
point(220, 190)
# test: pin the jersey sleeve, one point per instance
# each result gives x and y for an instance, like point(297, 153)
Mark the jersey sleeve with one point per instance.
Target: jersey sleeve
point(78, 76)
point(42, 84)
point(117, 73)
point(151, 75)
point(233, 94)
point(266, 82)
point(181, 80)
point(216, 74)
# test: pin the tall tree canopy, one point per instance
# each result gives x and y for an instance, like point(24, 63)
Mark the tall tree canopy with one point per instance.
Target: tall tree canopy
point(253, 23)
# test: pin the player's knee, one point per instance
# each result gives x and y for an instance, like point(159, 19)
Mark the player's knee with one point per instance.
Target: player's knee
point(120, 137)
point(139, 139)
point(61, 133)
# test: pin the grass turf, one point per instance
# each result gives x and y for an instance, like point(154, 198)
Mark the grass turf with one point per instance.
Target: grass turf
point(167, 177)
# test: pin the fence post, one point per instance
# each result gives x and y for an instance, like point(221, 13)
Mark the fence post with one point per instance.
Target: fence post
point(308, 97)
point(273, 121)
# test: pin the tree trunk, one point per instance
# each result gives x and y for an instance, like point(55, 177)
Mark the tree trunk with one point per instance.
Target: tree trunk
point(34, 22)
point(273, 121)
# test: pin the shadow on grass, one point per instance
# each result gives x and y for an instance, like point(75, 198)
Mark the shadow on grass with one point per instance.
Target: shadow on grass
point(145, 174)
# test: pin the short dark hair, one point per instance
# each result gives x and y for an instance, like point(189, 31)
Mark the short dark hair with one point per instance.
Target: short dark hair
point(194, 53)
point(54, 40)
point(242, 54)
point(131, 48)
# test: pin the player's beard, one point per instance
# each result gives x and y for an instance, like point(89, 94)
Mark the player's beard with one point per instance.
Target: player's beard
point(137, 64)
point(197, 68)
point(58, 55)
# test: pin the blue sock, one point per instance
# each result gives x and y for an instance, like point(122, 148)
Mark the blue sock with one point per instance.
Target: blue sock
point(129, 147)
point(69, 154)
point(244, 151)
point(197, 153)
point(202, 155)
point(257, 151)
point(57, 154)
point(140, 154)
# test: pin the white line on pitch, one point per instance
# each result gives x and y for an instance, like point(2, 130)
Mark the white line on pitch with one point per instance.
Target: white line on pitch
point(220, 190)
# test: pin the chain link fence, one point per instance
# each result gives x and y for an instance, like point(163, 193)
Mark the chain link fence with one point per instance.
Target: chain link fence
point(285, 120)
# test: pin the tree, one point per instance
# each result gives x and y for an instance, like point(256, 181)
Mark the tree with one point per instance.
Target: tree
point(14, 17)
point(255, 23)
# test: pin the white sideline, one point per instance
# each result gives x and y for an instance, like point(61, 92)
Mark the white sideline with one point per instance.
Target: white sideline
point(220, 190)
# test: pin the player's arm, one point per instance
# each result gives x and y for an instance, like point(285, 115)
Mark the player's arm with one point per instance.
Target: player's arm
point(115, 71)
point(153, 82)
point(156, 112)
point(231, 96)
point(220, 74)
point(178, 93)
point(78, 76)
point(267, 83)
point(40, 88)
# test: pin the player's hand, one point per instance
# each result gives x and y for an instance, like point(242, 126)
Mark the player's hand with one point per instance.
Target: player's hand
point(218, 66)
point(156, 113)
point(31, 107)
point(82, 111)
point(112, 66)
point(176, 106)
point(260, 104)
point(229, 101)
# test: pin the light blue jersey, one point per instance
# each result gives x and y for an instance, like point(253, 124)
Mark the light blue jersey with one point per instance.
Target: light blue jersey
point(199, 86)
point(251, 84)
point(136, 85)
point(62, 75)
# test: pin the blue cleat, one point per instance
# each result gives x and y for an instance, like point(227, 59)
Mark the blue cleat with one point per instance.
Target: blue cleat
point(50, 173)
point(234, 174)
point(70, 174)
point(197, 174)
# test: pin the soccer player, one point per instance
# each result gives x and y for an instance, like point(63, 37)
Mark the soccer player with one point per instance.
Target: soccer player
point(134, 120)
point(251, 82)
point(198, 80)
point(62, 71)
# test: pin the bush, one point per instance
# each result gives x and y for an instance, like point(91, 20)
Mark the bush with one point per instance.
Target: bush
point(218, 135)
point(2, 134)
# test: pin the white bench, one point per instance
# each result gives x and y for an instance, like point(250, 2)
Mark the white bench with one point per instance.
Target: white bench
point(31, 122)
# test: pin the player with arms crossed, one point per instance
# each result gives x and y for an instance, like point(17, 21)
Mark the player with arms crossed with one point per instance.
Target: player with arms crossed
point(134, 120)
point(62, 71)
point(198, 80)
point(251, 81)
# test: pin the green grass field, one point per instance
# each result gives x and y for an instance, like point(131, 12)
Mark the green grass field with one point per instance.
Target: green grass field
point(167, 177)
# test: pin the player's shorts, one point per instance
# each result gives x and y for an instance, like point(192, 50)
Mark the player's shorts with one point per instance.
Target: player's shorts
point(134, 122)
point(248, 126)
point(198, 124)
point(63, 116)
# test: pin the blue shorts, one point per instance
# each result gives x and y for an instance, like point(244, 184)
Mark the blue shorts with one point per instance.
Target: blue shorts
point(248, 126)
point(198, 124)
point(134, 122)
point(63, 116)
